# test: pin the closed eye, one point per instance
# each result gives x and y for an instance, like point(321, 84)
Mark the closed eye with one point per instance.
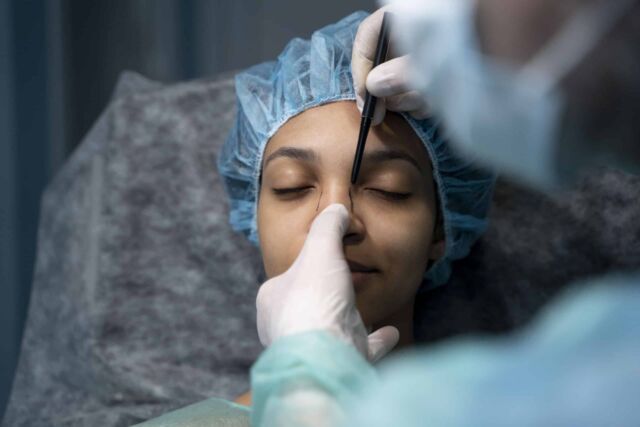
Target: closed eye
point(291, 190)
point(298, 191)
point(391, 195)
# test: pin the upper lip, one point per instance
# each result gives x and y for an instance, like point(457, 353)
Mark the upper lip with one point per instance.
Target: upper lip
point(357, 267)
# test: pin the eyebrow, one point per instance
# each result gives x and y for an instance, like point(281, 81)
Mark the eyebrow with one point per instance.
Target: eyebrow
point(379, 156)
point(302, 154)
point(310, 156)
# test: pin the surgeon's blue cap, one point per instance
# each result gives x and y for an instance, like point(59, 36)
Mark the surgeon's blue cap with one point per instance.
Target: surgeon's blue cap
point(309, 73)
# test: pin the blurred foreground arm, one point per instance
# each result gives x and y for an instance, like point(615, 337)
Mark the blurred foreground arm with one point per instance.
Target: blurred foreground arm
point(576, 365)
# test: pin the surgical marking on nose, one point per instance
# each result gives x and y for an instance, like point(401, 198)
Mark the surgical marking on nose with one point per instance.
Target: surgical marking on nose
point(350, 199)
point(318, 207)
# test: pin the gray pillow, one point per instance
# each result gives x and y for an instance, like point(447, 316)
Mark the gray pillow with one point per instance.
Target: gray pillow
point(536, 246)
point(143, 297)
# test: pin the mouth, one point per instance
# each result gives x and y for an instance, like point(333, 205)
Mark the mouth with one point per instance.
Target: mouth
point(356, 267)
point(361, 274)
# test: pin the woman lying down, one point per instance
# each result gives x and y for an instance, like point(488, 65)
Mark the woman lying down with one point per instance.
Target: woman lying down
point(414, 208)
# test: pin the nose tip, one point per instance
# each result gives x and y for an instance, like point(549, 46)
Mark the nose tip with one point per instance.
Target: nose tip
point(344, 196)
point(341, 196)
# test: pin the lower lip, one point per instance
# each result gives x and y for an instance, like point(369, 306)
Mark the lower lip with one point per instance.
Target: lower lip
point(360, 277)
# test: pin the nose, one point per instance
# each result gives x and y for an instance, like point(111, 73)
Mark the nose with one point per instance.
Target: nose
point(335, 194)
point(342, 194)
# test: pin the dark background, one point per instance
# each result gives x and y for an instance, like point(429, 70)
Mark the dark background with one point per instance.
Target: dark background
point(59, 60)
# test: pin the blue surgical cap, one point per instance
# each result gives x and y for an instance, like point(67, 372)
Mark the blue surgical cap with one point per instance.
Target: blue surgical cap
point(309, 73)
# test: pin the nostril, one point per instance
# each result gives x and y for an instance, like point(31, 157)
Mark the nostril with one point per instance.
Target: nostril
point(351, 238)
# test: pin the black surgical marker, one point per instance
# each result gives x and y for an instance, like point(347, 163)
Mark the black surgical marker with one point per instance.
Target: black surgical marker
point(370, 101)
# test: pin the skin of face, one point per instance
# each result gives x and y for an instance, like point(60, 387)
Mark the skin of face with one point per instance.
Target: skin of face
point(392, 233)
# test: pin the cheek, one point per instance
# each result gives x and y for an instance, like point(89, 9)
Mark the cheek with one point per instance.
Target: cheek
point(282, 233)
point(403, 240)
point(401, 243)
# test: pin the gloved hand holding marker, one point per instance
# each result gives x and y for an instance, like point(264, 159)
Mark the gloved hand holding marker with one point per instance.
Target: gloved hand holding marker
point(389, 81)
point(370, 101)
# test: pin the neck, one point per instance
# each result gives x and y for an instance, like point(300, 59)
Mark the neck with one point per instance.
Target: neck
point(403, 321)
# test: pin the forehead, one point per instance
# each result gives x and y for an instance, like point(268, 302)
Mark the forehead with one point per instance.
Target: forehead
point(331, 130)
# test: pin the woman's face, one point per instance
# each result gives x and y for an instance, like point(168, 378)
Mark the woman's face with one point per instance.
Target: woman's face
point(307, 166)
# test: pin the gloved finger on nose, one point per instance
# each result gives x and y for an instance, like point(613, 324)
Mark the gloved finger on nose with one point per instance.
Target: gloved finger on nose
point(326, 233)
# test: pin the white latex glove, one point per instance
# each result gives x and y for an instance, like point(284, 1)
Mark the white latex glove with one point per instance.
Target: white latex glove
point(316, 293)
point(389, 81)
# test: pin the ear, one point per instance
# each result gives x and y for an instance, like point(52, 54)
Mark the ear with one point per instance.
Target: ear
point(436, 251)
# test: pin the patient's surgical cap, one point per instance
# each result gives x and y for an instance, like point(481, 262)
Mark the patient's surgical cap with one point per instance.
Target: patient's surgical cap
point(309, 73)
